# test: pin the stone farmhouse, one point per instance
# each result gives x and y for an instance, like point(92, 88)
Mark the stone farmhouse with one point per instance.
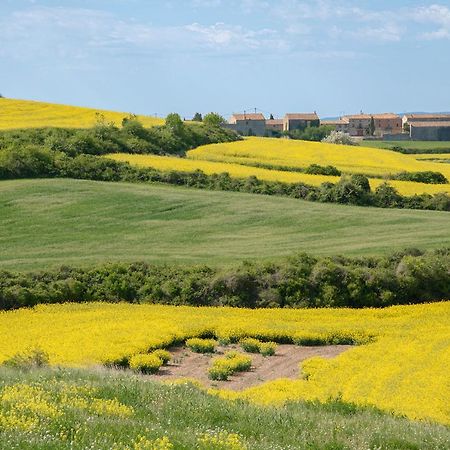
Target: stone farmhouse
point(248, 124)
point(255, 124)
point(427, 127)
point(430, 131)
point(300, 121)
point(385, 123)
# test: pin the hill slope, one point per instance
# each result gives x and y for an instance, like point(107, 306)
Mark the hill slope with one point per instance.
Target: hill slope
point(31, 114)
point(44, 223)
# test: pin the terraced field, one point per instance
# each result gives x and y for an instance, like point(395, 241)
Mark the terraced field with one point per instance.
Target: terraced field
point(29, 114)
point(261, 157)
point(47, 223)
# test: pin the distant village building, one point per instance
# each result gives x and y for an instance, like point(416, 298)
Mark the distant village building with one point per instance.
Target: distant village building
point(385, 123)
point(248, 124)
point(407, 119)
point(430, 130)
point(300, 121)
point(274, 126)
point(337, 124)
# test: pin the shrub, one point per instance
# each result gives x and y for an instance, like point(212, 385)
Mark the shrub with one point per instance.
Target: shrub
point(163, 355)
point(316, 169)
point(338, 137)
point(29, 359)
point(229, 364)
point(199, 345)
point(428, 177)
point(268, 348)
point(145, 363)
point(250, 345)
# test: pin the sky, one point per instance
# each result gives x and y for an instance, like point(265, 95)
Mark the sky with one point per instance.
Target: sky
point(156, 57)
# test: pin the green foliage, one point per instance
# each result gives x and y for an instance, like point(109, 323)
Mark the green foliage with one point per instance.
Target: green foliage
point(267, 348)
point(213, 120)
point(316, 169)
point(252, 345)
point(303, 281)
point(163, 355)
point(313, 133)
point(35, 162)
point(183, 413)
point(230, 363)
point(428, 177)
point(29, 359)
point(199, 345)
point(175, 137)
point(145, 363)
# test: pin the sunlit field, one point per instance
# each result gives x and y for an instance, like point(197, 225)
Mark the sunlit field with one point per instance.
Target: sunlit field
point(291, 153)
point(401, 364)
point(30, 114)
point(237, 168)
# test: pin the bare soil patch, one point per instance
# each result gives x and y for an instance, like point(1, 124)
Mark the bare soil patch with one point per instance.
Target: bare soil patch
point(284, 364)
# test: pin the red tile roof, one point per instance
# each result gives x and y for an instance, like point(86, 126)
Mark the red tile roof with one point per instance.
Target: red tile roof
point(427, 116)
point(248, 116)
point(301, 116)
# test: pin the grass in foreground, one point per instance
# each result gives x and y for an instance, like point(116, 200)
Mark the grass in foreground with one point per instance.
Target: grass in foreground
point(68, 409)
point(48, 223)
point(30, 114)
point(401, 364)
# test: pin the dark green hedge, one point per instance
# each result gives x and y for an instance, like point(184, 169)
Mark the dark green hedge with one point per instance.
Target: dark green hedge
point(301, 281)
point(26, 162)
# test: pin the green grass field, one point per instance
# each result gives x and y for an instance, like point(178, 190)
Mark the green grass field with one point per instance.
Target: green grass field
point(412, 146)
point(47, 223)
point(187, 417)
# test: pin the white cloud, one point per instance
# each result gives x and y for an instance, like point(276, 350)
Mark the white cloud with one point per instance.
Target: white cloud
point(76, 32)
point(437, 15)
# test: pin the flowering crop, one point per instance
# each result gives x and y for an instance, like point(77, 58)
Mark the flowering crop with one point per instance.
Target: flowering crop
point(293, 153)
point(229, 364)
point(30, 114)
point(240, 170)
point(403, 365)
point(199, 345)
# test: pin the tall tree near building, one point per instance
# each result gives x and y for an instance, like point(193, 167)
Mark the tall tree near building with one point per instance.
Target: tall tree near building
point(372, 126)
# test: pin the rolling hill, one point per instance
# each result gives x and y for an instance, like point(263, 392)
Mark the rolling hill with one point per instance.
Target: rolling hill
point(48, 223)
point(30, 114)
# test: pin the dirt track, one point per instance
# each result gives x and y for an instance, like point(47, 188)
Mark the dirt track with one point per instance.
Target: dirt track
point(284, 364)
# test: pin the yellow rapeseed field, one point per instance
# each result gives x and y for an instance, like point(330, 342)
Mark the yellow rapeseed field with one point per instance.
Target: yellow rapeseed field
point(293, 153)
point(236, 170)
point(404, 369)
point(31, 114)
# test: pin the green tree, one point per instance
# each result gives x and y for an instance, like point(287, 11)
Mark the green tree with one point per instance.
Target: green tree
point(213, 120)
point(372, 126)
point(175, 124)
point(197, 117)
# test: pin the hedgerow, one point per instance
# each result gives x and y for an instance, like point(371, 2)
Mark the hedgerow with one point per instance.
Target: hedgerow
point(301, 281)
point(27, 162)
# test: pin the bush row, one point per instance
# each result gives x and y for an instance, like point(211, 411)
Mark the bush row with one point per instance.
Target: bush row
point(301, 281)
point(28, 162)
point(428, 177)
point(175, 137)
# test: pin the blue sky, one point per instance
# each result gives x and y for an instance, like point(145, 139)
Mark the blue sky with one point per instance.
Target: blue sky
point(148, 56)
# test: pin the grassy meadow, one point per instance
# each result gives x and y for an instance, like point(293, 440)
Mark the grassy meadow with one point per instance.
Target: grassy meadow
point(30, 114)
point(125, 412)
point(412, 146)
point(47, 223)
